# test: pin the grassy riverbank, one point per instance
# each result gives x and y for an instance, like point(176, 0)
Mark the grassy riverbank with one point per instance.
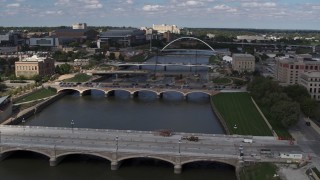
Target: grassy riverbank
point(261, 171)
point(240, 114)
point(40, 94)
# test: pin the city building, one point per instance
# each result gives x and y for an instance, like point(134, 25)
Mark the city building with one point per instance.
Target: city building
point(81, 62)
point(79, 26)
point(311, 81)
point(289, 69)
point(72, 35)
point(251, 38)
point(35, 65)
point(11, 38)
point(5, 108)
point(48, 42)
point(123, 37)
point(165, 28)
point(243, 62)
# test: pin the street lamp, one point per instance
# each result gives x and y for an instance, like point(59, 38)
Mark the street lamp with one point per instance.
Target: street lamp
point(72, 124)
point(117, 139)
point(23, 123)
point(179, 145)
point(235, 128)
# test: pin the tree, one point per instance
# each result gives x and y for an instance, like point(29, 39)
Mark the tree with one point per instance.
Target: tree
point(287, 112)
point(65, 68)
point(112, 56)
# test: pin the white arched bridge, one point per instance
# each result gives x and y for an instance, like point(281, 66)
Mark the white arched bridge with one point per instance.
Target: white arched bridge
point(134, 91)
point(193, 38)
point(116, 146)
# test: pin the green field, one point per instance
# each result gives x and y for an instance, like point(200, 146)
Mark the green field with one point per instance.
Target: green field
point(238, 109)
point(79, 78)
point(42, 93)
point(222, 80)
point(260, 171)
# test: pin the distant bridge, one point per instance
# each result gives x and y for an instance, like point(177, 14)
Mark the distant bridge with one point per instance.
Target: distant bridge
point(134, 91)
point(116, 146)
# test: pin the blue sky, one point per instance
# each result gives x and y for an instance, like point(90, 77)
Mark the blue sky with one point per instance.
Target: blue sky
point(270, 14)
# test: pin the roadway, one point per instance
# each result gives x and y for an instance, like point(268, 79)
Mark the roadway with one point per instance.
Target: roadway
point(138, 141)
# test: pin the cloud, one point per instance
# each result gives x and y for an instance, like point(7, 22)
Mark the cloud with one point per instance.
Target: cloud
point(87, 4)
point(152, 7)
point(256, 4)
point(13, 5)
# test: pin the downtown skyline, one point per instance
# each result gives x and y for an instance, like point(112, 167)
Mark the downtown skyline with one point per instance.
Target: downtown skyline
point(259, 14)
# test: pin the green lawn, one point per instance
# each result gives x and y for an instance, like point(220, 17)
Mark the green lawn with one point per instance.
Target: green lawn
point(222, 80)
point(42, 93)
point(79, 78)
point(238, 109)
point(260, 171)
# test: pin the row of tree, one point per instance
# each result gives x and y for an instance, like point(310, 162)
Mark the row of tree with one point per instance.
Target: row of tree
point(284, 104)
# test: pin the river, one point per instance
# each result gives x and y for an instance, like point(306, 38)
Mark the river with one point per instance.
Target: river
point(146, 113)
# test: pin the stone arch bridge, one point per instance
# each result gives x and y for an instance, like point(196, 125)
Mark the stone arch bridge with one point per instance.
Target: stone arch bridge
point(134, 91)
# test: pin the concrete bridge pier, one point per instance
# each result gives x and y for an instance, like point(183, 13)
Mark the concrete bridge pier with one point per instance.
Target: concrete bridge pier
point(55, 161)
point(177, 169)
point(185, 97)
point(135, 94)
point(110, 93)
point(160, 95)
point(140, 67)
point(115, 165)
point(165, 68)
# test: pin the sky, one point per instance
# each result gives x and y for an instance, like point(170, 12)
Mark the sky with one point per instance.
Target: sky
point(259, 14)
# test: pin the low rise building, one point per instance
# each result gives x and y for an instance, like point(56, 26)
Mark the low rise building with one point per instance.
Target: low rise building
point(243, 62)
point(31, 66)
point(311, 81)
point(124, 37)
point(81, 62)
point(5, 108)
point(48, 42)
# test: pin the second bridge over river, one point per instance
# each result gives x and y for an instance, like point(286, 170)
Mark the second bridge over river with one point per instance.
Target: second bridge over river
point(134, 91)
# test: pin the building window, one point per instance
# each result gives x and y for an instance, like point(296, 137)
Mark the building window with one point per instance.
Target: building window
point(311, 67)
point(316, 68)
point(291, 66)
point(307, 67)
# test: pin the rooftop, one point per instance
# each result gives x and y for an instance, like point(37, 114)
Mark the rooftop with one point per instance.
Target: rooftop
point(313, 74)
point(242, 55)
point(34, 58)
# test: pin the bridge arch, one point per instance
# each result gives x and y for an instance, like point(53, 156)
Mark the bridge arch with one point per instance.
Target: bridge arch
point(68, 89)
point(188, 38)
point(25, 150)
point(202, 92)
point(147, 157)
point(167, 91)
point(116, 89)
point(63, 155)
point(145, 90)
point(86, 90)
point(233, 164)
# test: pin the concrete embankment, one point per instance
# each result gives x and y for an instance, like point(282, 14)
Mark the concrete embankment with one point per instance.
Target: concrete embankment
point(26, 113)
point(220, 118)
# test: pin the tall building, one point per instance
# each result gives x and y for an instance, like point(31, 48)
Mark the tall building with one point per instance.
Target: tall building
point(243, 62)
point(31, 66)
point(79, 26)
point(165, 28)
point(311, 81)
point(289, 69)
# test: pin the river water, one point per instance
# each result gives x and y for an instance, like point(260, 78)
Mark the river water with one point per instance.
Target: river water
point(146, 113)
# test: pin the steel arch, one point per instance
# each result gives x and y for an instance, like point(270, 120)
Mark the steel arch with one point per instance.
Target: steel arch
point(188, 38)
